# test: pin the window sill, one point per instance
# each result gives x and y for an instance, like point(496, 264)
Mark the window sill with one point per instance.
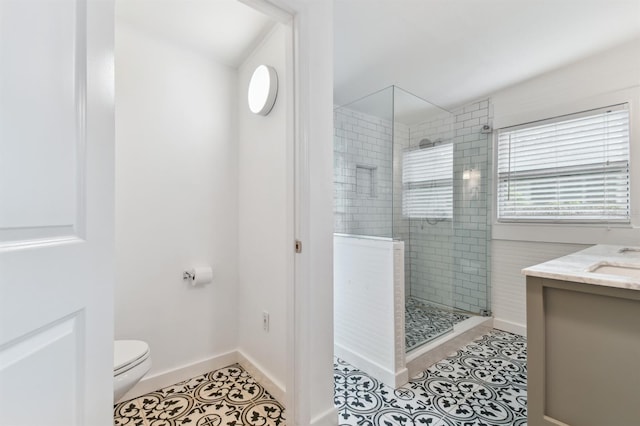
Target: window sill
point(567, 233)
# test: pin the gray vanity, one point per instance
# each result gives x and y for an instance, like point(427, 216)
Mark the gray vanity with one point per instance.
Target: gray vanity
point(583, 329)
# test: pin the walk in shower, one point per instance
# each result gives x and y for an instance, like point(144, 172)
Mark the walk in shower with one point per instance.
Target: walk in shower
point(410, 172)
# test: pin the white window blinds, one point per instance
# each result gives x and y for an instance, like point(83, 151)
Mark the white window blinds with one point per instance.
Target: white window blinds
point(568, 169)
point(427, 178)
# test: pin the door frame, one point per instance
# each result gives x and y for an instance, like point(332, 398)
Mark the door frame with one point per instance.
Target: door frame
point(309, 317)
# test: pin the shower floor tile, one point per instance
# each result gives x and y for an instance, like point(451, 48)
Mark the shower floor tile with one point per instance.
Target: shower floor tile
point(228, 396)
point(482, 384)
point(424, 322)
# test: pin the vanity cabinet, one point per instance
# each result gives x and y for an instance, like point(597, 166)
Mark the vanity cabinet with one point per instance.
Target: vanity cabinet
point(583, 352)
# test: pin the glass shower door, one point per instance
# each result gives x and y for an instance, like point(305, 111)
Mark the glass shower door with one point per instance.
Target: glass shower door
point(363, 167)
point(424, 203)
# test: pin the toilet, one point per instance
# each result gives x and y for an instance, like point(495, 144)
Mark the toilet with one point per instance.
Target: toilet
point(131, 361)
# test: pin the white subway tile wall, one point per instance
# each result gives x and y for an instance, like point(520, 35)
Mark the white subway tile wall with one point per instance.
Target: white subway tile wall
point(362, 174)
point(447, 262)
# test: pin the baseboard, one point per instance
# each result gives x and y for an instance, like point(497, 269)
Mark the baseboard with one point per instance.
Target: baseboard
point(511, 327)
point(177, 375)
point(275, 388)
point(170, 377)
point(375, 370)
point(328, 418)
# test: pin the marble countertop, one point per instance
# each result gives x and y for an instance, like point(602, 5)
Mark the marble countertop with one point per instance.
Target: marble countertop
point(581, 267)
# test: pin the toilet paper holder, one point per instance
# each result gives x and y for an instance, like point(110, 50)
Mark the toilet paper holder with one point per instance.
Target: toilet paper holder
point(198, 275)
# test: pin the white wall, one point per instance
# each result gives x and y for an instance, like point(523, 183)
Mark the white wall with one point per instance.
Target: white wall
point(605, 79)
point(311, 396)
point(176, 199)
point(508, 291)
point(265, 222)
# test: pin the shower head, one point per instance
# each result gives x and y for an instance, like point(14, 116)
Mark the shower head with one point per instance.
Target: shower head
point(428, 143)
point(425, 143)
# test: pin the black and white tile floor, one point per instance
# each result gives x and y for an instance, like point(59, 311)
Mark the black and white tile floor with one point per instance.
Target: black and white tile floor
point(424, 322)
point(482, 384)
point(229, 397)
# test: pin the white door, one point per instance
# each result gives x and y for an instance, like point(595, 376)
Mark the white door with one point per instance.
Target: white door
point(56, 212)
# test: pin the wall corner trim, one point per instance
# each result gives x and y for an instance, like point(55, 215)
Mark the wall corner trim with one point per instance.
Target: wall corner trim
point(274, 387)
point(170, 377)
point(393, 379)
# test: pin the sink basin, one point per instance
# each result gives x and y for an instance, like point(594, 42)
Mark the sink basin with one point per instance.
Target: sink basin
point(610, 269)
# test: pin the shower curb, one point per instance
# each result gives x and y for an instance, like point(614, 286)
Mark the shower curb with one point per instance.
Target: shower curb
point(464, 333)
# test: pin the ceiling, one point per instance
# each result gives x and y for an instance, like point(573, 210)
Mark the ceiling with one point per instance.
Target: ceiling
point(225, 29)
point(454, 51)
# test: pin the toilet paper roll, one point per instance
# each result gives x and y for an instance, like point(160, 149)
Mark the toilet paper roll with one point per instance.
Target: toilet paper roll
point(201, 275)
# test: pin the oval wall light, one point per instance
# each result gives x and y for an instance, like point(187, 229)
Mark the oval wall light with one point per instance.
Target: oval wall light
point(263, 89)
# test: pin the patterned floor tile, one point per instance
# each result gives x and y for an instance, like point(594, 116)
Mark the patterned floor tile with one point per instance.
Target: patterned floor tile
point(264, 412)
point(228, 396)
point(394, 418)
point(129, 414)
point(356, 395)
point(483, 405)
point(425, 322)
point(514, 398)
point(482, 384)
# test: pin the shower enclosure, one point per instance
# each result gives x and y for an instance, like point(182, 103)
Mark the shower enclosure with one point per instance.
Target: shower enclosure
point(407, 170)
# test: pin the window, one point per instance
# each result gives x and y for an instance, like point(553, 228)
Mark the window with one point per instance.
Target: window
point(568, 169)
point(428, 182)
